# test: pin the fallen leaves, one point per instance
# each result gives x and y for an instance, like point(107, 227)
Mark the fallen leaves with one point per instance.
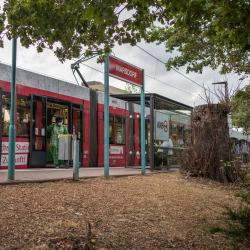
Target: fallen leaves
point(152, 212)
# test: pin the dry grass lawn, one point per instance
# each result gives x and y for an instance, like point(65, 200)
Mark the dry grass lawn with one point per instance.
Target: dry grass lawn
point(161, 211)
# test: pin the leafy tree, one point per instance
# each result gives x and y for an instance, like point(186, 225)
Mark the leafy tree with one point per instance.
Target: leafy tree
point(199, 32)
point(241, 109)
point(132, 89)
point(207, 33)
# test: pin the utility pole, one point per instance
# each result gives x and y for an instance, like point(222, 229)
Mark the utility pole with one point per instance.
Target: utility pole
point(12, 127)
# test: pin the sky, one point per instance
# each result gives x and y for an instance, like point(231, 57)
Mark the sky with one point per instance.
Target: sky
point(157, 79)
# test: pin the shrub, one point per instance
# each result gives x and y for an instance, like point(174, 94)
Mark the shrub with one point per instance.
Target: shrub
point(237, 227)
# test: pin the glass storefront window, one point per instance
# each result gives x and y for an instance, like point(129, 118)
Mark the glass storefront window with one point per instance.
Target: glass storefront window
point(120, 130)
point(111, 129)
point(6, 114)
point(22, 117)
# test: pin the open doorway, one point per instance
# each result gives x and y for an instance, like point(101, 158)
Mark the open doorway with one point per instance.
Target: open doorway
point(44, 112)
point(54, 110)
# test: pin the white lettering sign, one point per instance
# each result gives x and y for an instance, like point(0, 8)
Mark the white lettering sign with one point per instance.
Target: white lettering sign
point(161, 126)
point(116, 150)
point(20, 159)
point(125, 71)
point(21, 147)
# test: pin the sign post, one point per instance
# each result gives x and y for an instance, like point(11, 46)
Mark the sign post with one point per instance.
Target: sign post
point(12, 128)
point(129, 73)
point(106, 116)
point(143, 150)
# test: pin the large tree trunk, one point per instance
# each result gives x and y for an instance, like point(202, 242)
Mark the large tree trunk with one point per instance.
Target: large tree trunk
point(210, 150)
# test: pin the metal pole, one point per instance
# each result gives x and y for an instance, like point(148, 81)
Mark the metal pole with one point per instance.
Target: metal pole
point(12, 128)
point(106, 116)
point(75, 159)
point(143, 158)
point(152, 132)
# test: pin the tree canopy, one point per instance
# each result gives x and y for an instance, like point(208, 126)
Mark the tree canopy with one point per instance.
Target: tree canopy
point(199, 33)
point(241, 109)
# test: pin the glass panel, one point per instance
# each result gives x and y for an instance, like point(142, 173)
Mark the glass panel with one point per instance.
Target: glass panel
point(120, 130)
point(6, 114)
point(111, 129)
point(23, 117)
point(38, 125)
point(54, 110)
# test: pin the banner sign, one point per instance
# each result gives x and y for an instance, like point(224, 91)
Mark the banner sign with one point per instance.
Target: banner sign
point(161, 126)
point(21, 147)
point(125, 71)
point(21, 150)
point(116, 150)
point(20, 160)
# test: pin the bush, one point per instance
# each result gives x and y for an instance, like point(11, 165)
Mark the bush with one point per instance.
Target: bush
point(237, 227)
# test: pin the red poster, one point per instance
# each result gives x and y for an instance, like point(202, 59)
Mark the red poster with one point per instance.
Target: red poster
point(125, 71)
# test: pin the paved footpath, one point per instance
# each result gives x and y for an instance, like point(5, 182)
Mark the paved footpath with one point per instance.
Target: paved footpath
point(45, 174)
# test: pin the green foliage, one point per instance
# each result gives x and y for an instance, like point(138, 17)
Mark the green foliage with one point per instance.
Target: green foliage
point(199, 32)
point(207, 33)
point(132, 89)
point(241, 109)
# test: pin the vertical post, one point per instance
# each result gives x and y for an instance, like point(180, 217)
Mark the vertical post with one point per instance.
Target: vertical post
point(152, 133)
point(106, 116)
point(226, 93)
point(75, 159)
point(12, 128)
point(143, 158)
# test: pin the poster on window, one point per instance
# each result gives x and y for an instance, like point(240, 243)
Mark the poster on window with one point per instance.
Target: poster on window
point(161, 126)
point(21, 152)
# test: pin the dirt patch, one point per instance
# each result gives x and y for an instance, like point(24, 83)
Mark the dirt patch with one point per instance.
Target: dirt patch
point(160, 211)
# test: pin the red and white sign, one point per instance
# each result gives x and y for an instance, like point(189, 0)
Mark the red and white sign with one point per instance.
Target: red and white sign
point(125, 71)
point(20, 160)
point(21, 147)
point(21, 156)
point(116, 150)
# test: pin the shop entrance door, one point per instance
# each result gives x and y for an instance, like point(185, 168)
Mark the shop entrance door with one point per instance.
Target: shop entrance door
point(56, 108)
point(38, 125)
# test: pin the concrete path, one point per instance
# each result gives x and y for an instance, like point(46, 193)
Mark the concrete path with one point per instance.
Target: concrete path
point(45, 174)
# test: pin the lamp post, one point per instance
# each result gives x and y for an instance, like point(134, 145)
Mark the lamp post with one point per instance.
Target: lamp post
point(12, 128)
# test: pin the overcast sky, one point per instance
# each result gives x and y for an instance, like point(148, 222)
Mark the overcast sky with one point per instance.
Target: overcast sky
point(46, 63)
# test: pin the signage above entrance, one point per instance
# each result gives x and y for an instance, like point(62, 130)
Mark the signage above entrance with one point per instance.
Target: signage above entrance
point(125, 71)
